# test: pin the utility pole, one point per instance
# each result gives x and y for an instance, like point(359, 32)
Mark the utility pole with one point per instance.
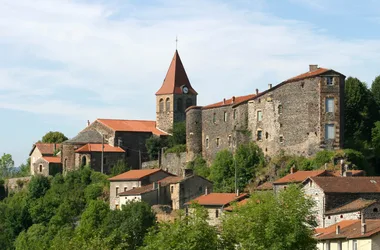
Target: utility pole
point(102, 161)
point(236, 187)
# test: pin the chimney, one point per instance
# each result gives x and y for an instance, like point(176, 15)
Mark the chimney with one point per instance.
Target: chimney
point(233, 99)
point(337, 229)
point(293, 169)
point(187, 172)
point(342, 167)
point(363, 224)
point(155, 185)
point(313, 67)
point(158, 192)
point(88, 122)
point(270, 85)
point(257, 91)
point(224, 101)
point(206, 191)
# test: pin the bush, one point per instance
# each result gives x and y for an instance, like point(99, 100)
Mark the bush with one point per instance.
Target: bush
point(120, 167)
point(176, 149)
point(199, 167)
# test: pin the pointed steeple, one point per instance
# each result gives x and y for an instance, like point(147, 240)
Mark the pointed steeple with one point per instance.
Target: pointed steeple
point(176, 78)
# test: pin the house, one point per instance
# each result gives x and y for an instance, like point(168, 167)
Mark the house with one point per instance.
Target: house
point(350, 234)
point(299, 116)
point(47, 165)
point(215, 203)
point(133, 179)
point(342, 195)
point(40, 150)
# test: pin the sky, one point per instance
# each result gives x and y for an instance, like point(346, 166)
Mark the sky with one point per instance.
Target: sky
point(64, 62)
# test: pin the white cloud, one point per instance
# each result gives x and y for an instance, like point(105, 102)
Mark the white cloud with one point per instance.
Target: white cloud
point(94, 61)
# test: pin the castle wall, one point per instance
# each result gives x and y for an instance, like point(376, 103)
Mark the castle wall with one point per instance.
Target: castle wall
point(174, 163)
point(193, 132)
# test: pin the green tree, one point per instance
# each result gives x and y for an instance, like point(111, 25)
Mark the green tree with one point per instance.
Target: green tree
point(268, 222)
point(54, 137)
point(154, 145)
point(35, 238)
point(376, 137)
point(199, 167)
point(6, 165)
point(375, 89)
point(38, 186)
point(120, 167)
point(178, 134)
point(188, 232)
point(222, 172)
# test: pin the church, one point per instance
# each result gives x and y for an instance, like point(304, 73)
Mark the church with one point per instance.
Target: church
point(125, 139)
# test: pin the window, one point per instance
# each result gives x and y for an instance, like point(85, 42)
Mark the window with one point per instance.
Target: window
point(229, 140)
point(329, 131)
point(200, 189)
point(234, 114)
point(167, 105)
point(259, 115)
point(216, 213)
point(40, 168)
point(189, 102)
point(161, 105)
point(339, 245)
point(281, 139)
point(179, 104)
point(329, 80)
point(225, 116)
point(280, 109)
point(84, 161)
point(329, 217)
point(214, 118)
point(206, 142)
point(125, 189)
point(259, 135)
point(117, 191)
point(266, 135)
point(354, 245)
point(171, 189)
point(341, 216)
point(330, 104)
point(280, 125)
point(217, 142)
point(375, 210)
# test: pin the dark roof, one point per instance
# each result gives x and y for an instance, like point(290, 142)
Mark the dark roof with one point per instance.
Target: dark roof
point(349, 229)
point(353, 206)
point(136, 174)
point(299, 176)
point(176, 77)
point(148, 188)
point(84, 137)
point(358, 184)
point(217, 199)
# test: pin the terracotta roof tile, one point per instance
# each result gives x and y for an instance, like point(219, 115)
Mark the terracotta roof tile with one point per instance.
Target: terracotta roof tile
point(265, 186)
point(308, 74)
point(217, 199)
point(135, 174)
point(52, 159)
point(132, 126)
point(359, 184)
point(350, 229)
point(47, 148)
point(240, 203)
point(91, 147)
point(353, 172)
point(299, 176)
point(227, 102)
point(355, 205)
point(148, 188)
point(176, 77)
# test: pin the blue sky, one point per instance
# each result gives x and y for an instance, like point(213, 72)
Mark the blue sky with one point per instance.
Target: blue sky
point(65, 62)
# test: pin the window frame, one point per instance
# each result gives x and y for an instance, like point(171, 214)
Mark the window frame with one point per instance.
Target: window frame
point(328, 104)
point(327, 126)
point(259, 131)
point(217, 142)
point(225, 116)
point(259, 117)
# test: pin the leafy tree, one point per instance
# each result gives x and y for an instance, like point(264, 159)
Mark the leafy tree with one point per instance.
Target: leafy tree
point(222, 172)
point(6, 165)
point(376, 137)
point(269, 222)
point(120, 167)
point(178, 136)
point(154, 145)
point(187, 232)
point(38, 186)
point(35, 238)
point(54, 137)
point(375, 89)
point(199, 167)
point(322, 157)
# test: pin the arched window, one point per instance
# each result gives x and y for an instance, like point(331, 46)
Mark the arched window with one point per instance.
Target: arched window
point(179, 104)
point(84, 161)
point(167, 104)
point(189, 102)
point(161, 105)
point(40, 168)
point(65, 165)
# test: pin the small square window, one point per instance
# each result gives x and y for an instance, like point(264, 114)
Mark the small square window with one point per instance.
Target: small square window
point(329, 80)
point(329, 131)
point(259, 135)
point(330, 104)
point(259, 115)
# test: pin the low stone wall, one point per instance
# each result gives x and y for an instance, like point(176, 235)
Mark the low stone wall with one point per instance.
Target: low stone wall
point(16, 184)
point(174, 163)
point(150, 164)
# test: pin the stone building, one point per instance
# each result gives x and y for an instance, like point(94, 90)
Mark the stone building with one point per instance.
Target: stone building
point(301, 116)
point(47, 165)
point(40, 150)
point(333, 193)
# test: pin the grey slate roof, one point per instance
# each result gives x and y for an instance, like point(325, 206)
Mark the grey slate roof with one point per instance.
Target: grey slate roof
point(88, 136)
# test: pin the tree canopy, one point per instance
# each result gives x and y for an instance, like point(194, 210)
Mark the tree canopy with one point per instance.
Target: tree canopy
point(54, 137)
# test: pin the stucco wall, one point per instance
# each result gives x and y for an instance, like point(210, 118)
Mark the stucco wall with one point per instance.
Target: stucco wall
point(316, 193)
point(123, 186)
point(36, 154)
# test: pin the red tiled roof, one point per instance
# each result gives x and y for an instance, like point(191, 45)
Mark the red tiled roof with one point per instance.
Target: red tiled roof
point(45, 148)
point(91, 147)
point(299, 176)
point(238, 99)
point(132, 126)
point(240, 203)
point(52, 159)
point(349, 229)
point(353, 172)
point(217, 199)
point(176, 77)
point(265, 186)
point(358, 184)
point(135, 174)
point(355, 205)
point(147, 188)
point(308, 74)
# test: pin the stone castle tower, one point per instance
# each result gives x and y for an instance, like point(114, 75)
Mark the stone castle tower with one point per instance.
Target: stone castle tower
point(175, 96)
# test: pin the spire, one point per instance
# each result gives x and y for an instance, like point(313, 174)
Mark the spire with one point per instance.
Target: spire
point(176, 78)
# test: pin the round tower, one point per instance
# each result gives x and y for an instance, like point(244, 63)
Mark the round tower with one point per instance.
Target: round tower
point(193, 132)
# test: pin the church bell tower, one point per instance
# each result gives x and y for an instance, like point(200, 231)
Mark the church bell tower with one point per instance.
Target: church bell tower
point(175, 96)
